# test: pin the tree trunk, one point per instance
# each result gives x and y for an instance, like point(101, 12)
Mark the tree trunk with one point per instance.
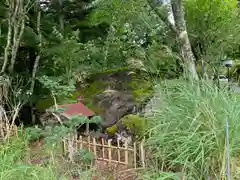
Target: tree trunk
point(178, 27)
point(182, 35)
point(170, 16)
point(9, 38)
point(60, 15)
point(19, 26)
point(36, 63)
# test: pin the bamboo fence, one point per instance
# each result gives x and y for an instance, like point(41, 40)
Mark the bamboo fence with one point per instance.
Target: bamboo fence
point(131, 156)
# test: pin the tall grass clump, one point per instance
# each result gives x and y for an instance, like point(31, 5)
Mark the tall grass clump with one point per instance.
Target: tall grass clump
point(188, 131)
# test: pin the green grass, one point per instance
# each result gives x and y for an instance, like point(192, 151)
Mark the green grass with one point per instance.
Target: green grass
point(12, 167)
point(188, 131)
point(15, 156)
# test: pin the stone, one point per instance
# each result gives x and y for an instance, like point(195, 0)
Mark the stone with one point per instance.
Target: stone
point(116, 104)
point(116, 93)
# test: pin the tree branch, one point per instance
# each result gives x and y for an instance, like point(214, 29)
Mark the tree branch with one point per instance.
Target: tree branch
point(9, 38)
point(36, 63)
point(17, 35)
point(35, 66)
point(164, 18)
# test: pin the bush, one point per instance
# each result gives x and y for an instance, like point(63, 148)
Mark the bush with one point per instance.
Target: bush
point(188, 132)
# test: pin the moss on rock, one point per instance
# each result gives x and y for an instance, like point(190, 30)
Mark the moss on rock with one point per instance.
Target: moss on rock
point(134, 123)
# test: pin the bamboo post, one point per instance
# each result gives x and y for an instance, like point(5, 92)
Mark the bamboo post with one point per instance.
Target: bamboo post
point(89, 143)
point(109, 152)
point(81, 142)
point(87, 128)
point(77, 142)
point(94, 147)
point(142, 154)
point(70, 148)
point(74, 142)
point(103, 149)
point(126, 153)
point(63, 146)
point(118, 150)
point(135, 155)
point(94, 151)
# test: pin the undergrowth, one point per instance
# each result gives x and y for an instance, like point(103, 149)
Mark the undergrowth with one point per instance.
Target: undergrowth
point(186, 138)
point(188, 132)
point(12, 153)
point(16, 162)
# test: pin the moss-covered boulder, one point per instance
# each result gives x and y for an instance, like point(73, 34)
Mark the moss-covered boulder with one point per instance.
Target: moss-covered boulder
point(116, 93)
point(133, 123)
point(134, 82)
point(111, 94)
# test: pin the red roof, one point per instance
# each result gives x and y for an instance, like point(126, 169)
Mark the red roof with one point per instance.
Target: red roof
point(76, 109)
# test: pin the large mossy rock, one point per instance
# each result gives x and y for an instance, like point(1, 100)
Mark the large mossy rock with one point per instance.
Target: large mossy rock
point(111, 94)
point(116, 93)
point(115, 104)
point(137, 83)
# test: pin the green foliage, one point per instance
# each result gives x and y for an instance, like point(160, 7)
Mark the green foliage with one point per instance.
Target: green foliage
point(188, 129)
point(56, 87)
point(30, 38)
point(213, 26)
point(12, 166)
point(15, 155)
point(85, 156)
point(54, 135)
point(159, 60)
point(33, 133)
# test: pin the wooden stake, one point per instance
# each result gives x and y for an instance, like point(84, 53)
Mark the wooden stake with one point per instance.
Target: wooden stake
point(89, 143)
point(70, 148)
point(81, 142)
point(118, 150)
point(94, 147)
point(142, 154)
point(87, 128)
point(135, 155)
point(109, 152)
point(63, 146)
point(103, 149)
point(126, 153)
